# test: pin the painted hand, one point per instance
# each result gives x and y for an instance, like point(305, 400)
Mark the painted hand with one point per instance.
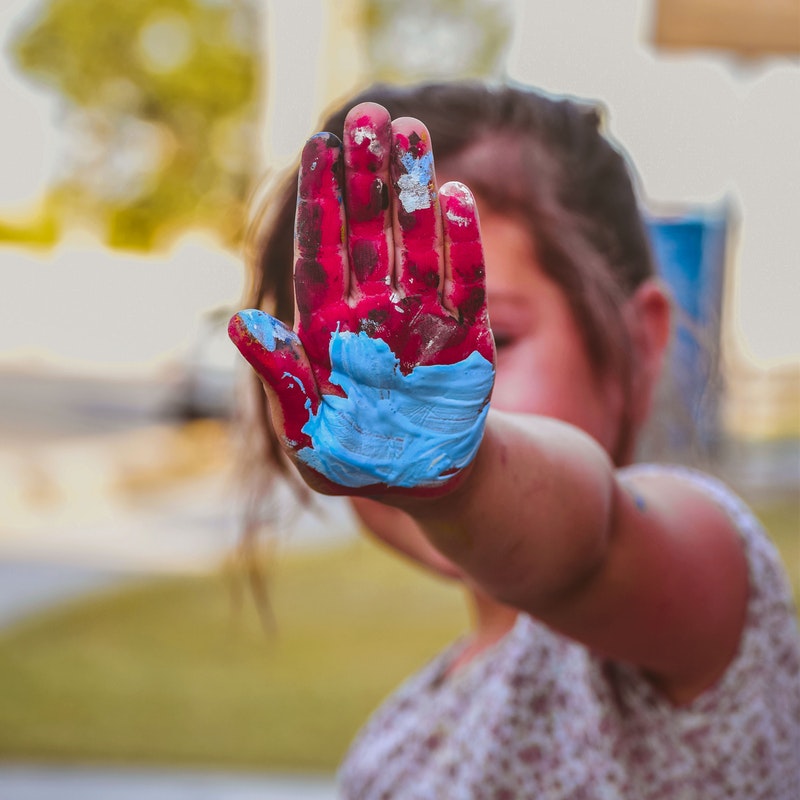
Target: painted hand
point(385, 384)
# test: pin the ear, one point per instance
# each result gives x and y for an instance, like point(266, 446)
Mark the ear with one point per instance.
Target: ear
point(648, 314)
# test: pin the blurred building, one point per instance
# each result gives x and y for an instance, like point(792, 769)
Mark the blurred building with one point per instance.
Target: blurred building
point(751, 30)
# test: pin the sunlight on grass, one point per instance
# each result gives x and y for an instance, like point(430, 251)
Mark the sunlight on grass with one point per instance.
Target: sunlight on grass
point(178, 672)
point(782, 520)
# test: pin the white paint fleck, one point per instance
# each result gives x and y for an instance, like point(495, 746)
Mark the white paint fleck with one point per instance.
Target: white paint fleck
point(415, 193)
point(459, 191)
point(457, 219)
point(366, 133)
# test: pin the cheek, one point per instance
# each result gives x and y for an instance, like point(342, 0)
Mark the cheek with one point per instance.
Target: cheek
point(526, 383)
point(554, 385)
point(509, 396)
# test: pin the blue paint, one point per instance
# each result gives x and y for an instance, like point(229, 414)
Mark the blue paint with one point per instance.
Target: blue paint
point(302, 386)
point(267, 330)
point(414, 188)
point(401, 430)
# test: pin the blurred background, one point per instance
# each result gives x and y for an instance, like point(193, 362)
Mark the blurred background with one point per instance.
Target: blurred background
point(137, 137)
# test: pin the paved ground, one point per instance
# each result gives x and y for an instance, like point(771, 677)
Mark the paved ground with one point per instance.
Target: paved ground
point(65, 531)
point(40, 406)
point(77, 783)
point(30, 585)
point(42, 566)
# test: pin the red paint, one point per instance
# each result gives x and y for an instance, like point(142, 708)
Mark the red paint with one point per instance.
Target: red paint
point(320, 271)
point(418, 233)
point(466, 285)
point(345, 245)
point(367, 146)
point(272, 367)
point(410, 318)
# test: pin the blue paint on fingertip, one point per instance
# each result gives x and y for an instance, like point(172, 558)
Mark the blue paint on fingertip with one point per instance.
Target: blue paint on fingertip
point(267, 330)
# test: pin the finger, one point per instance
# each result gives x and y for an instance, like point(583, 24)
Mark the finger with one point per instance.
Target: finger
point(276, 354)
point(417, 228)
point(465, 273)
point(367, 148)
point(320, 268)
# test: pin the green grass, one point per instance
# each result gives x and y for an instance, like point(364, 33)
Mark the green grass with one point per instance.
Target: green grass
point(179, 672)
point(782, 520)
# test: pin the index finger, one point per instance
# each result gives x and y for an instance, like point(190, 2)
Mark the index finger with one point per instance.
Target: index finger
point(320, 269)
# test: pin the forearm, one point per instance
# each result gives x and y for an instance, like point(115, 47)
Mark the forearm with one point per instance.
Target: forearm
point(399, 531)
point(531, 519)
point(651, 573)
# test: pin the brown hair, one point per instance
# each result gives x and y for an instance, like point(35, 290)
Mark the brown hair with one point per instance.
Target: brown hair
point(540, 159)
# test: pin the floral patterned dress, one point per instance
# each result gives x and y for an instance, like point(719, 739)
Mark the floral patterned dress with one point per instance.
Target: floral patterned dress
point(539, 716)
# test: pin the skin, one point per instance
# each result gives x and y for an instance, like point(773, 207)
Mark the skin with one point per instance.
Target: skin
point(647, 571)
point(408, 273)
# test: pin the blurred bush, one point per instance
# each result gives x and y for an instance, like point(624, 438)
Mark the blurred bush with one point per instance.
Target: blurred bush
point(412, 40)
point(159, 101)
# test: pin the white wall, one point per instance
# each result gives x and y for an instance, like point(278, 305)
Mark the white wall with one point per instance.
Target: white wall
point(701, 129)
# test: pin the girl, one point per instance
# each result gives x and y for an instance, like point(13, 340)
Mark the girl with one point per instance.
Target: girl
point(634, 636)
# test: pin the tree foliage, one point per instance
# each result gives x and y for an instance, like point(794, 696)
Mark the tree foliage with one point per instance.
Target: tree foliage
point(159, 101)
point(411, 40)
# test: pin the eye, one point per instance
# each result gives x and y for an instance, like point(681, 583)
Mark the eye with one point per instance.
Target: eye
point(502, 340)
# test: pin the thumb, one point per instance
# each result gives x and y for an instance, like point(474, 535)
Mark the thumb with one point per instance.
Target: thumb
point(277, 355)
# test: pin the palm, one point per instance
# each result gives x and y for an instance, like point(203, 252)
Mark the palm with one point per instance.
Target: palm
point(386, 382)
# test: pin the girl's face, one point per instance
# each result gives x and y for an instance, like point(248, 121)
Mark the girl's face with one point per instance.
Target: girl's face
point(542, 368)
point(542, 364)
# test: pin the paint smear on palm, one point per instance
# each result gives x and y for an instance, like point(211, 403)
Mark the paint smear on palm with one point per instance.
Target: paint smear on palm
point(401, 430)
point(394, 428)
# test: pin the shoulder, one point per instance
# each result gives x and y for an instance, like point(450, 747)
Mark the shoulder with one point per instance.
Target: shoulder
point(753, 708)
point(769, 643)
point(764, 562)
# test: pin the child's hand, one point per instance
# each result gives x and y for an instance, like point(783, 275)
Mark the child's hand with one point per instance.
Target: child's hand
point(386, 382)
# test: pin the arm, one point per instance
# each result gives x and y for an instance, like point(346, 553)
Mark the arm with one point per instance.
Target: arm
point(383, 391)
point(542, 523)
point(400, 531)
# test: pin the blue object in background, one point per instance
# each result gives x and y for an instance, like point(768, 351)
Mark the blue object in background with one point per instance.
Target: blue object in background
point(690, 252)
